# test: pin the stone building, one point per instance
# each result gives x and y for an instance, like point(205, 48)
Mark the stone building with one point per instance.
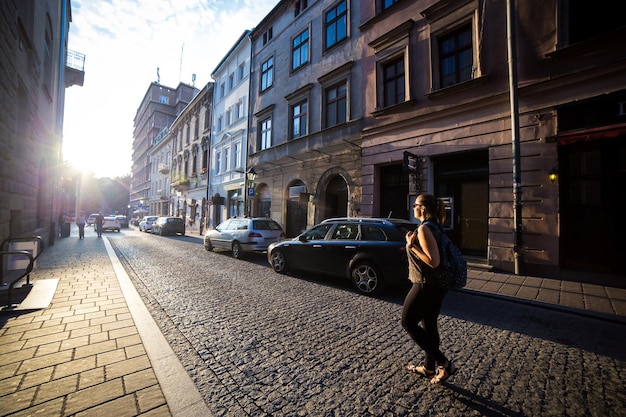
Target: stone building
point(306, 113)
point(190, 138)
point(530, 156)
point(36, 67)
point(230, 127)
point(158, 109)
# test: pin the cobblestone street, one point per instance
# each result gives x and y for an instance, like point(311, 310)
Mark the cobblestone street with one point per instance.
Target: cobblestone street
point(258, 343)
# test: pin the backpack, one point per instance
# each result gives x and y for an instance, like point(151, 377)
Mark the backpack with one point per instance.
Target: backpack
point(451, 273)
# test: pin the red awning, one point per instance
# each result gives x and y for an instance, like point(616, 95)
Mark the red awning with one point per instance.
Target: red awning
point(604, 132)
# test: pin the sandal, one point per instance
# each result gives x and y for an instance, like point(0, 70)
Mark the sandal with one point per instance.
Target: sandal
point(420, 370)
point(443, 372)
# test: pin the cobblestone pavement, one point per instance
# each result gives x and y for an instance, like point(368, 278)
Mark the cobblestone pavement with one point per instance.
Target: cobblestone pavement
point(258, 344)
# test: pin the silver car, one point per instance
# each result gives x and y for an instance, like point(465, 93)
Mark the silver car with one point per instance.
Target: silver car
point(145, 225)
point(244, 234)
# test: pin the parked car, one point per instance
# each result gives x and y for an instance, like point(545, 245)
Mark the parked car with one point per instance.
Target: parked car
point(369, 251)
point(146, 223)
point(111, 223)
point(92, 218)
point(123, 221)
point(168, 226)
point(244, 234)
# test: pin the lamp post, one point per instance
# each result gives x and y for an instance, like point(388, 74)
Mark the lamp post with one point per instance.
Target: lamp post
point(178, 193)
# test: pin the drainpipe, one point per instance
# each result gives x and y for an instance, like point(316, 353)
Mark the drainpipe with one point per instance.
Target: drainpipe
point(517, 182)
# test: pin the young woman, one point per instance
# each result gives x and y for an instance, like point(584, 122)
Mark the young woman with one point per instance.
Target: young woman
point(423, 302)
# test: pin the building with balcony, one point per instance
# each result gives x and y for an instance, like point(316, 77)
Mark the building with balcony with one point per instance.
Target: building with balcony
point(157, 111)
point(306, 111)
point(160, 157)
point(190, 138)
point(36, 69)
point(230, 127)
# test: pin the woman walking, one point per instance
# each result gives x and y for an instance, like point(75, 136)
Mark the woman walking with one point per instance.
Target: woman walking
point(423, 302)
point(80, 222)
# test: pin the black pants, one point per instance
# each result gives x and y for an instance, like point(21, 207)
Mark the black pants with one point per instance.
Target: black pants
point(422, 304)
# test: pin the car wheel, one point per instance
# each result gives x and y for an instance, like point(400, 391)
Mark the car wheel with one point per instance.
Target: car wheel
point(237, 250)
point(207, 244)
point(366, 278)
point(279, 263)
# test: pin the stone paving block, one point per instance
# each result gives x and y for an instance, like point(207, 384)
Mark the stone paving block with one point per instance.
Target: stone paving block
point(600, 304)
point(56, 388)
point(95, 315)
point(619, 307)
point(75, 366)
point(50, 338)
point(139, 380)
point(162, 411)
point(42, 317)
point(119, 407)
point(90, 377)
point(130, 340)
point(572, 299)
point(77, 325)
point(86, 331)
point(595, 290)
point(9, 338)
point(111, 357)
point(53, 408)
point(8, 370)
point(40, 362)
point(74, 342)
point(93, 396)
point(17, 356)
point(37, 377)
point(17, 401)
point(87, 310)
point(126, 367)
point(48, 348)
point(529, 293)
point(548, 296)
point(150, 398)
point(52, 322)
point(12, 346)
point(95, 348)
point(21, 328)
point(117, 324)
point(103, 320)
point(135, 350)
point(9, 385)
point(126, 331)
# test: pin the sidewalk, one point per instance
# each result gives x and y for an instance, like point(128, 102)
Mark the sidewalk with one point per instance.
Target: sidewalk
point(94, 349)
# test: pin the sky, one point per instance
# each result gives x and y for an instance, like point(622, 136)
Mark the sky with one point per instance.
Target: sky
point(124, 42)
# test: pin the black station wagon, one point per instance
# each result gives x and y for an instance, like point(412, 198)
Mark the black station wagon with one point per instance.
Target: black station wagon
point(369, 251)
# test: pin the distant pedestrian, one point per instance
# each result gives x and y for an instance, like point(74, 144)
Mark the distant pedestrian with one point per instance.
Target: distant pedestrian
point(99, 222)
point(81, 221)
point(423, 302)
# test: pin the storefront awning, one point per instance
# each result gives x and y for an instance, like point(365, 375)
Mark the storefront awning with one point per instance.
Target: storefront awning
point(604, 132)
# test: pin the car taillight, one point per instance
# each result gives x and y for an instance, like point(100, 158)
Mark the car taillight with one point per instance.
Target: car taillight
point(254, 234)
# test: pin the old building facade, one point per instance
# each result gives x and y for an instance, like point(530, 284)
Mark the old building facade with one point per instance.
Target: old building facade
point(36, 68)
point(157, 111)
point(306, 113)
point(230, 128)
point(438, 89)
point(190, 140)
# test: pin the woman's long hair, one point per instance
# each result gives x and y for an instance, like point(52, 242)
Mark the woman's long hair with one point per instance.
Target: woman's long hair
point(434, 208)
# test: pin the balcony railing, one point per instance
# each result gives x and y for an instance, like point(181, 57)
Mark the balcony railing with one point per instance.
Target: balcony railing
point(74, 68)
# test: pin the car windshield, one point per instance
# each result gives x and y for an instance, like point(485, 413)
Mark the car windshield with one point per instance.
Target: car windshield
point(175, 220)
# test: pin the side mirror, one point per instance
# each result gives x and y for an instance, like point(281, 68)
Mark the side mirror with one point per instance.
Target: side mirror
point(302, 238)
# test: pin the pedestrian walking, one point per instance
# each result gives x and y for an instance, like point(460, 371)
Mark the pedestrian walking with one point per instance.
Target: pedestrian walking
point(99, 222)
point(81, 221)
point(423, 302)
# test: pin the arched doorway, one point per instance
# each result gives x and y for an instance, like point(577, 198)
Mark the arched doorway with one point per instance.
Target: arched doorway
point(336, 198)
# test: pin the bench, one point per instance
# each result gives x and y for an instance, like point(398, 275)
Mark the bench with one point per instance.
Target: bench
point(17, 260)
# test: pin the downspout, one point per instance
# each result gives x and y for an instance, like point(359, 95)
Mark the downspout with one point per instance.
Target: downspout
point(517, 182)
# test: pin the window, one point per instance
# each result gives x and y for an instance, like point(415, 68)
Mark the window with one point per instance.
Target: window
point(267, 36)
point(231, 81)
point(226, 159)
point(299, 119)
point(164, 100)
point(237, 160)
point(336, 104)
point(218, 162)
point(229, 117)
point(388, 3)
point(222, 90)
point(47, 63)
point(266, 133)
point(299, 7)
point(455, 57)
point(242, 71)
point(207, 118)
point(220, 123)
point(582, 21)
point(300, 50)
point(196, 127)
point(336, 24)
point(267, 74)
point(239, 109)
point(393, 82)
